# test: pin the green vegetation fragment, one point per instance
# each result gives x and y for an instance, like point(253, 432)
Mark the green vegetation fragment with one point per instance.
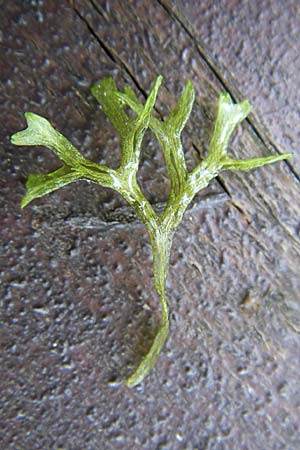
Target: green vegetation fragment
point(184, 184)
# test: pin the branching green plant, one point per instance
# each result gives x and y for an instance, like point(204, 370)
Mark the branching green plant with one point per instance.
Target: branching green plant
point(184, 184)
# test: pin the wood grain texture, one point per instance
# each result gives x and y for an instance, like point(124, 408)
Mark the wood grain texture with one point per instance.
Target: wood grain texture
point(77, 302)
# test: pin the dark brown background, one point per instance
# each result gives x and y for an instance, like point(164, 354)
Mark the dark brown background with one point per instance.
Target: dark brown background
point(77, 303)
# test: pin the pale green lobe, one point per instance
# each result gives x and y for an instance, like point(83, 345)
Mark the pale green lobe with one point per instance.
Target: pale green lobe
point(104, 92)
point(39, 131)
point(184, 184)
point(40, 185)
point(229, 115)
point(180, 114)
point(252, 163)
point(131, 151)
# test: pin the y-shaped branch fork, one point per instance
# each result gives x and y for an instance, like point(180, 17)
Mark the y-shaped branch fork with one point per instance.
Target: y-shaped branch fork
point(184, 184)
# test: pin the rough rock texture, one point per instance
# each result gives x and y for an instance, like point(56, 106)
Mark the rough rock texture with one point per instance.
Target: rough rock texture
point(77, 303)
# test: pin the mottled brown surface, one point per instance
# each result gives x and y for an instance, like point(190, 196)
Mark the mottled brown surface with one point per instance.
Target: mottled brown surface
point(77, 302)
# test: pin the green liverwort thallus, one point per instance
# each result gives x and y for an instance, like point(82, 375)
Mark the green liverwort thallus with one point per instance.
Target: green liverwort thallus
point(184, 184)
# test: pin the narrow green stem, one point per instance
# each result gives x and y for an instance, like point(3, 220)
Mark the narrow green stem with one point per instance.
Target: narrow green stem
point(161, 247)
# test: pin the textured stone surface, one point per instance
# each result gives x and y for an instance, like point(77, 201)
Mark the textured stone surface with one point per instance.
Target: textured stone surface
point(77, 303)
point(258, 43)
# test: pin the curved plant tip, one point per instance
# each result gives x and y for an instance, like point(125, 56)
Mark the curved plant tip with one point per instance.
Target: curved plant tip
point(184, 184)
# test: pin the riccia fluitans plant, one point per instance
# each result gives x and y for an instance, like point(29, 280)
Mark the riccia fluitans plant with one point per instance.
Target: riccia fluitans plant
point(184, 184)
